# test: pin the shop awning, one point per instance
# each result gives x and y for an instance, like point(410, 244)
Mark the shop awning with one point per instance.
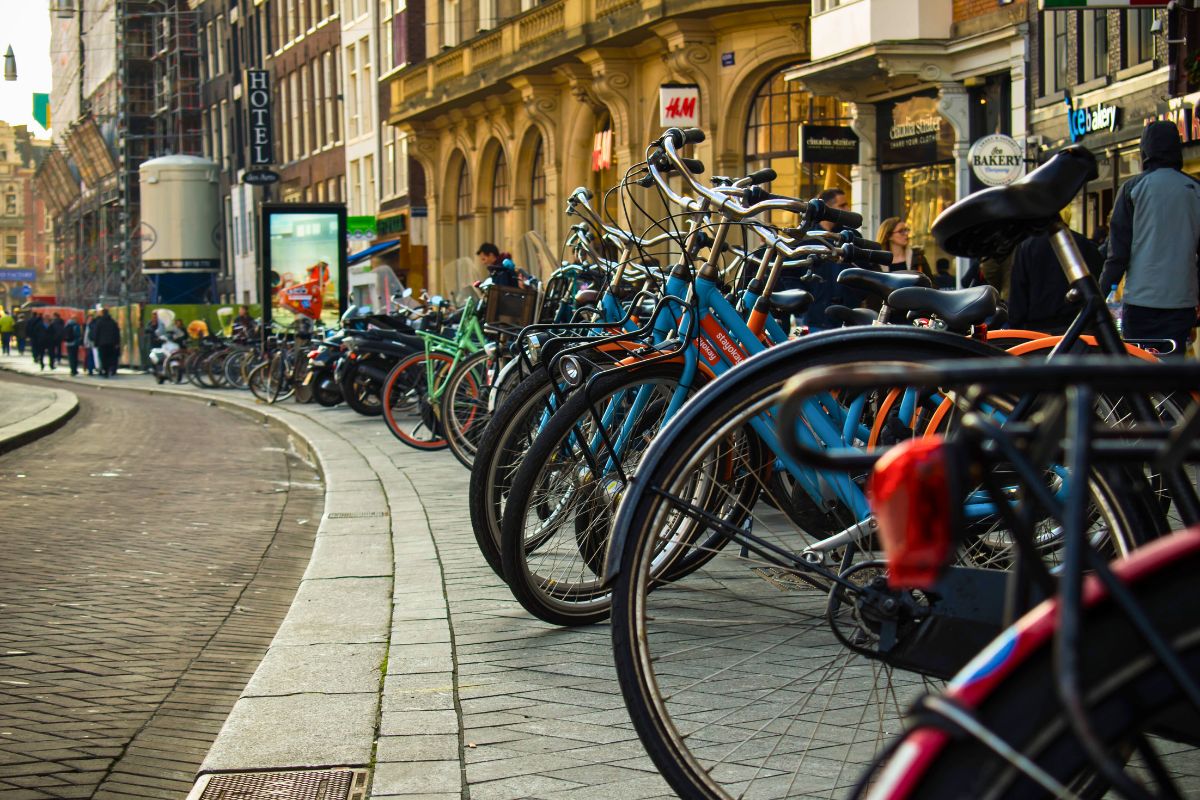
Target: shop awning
point(373, 250)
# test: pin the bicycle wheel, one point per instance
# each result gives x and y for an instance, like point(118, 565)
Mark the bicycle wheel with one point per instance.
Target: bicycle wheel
point(235, 374)
point(257, 382)
point(361, 392)
point(498, 455)
point(173, 368)
point(1132, 705)
point(467, 402)
point(279, 377)
point(747, 676)
point(215, 369)
point(555, 529)
point(411, 414)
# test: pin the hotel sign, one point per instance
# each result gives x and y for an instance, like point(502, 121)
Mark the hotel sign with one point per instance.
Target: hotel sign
point(258, 108)
point(1092, 119)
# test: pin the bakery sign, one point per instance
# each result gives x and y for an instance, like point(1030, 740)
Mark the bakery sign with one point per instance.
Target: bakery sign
point(996, 159)
point(1091, 119)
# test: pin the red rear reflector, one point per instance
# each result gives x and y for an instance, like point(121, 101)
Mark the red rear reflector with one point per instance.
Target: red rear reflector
point(909, 492)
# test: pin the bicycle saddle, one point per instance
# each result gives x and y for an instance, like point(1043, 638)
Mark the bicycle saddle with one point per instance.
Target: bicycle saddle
point(994, 221)
point(851, 317)
point(959, 309)
point(881, 284)
point(586, 297)
point(790, 301)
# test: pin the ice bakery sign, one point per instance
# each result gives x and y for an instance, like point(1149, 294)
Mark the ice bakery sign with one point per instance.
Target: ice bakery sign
point(1091, 119)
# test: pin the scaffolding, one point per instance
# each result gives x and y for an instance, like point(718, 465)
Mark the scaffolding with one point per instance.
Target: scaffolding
point(151, 108)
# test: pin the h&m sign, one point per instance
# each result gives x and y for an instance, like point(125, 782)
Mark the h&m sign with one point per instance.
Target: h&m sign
point(258, 108)
point(679, 105)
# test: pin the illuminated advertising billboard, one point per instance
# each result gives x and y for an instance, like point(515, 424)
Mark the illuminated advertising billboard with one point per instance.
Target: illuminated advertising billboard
point(304, 262)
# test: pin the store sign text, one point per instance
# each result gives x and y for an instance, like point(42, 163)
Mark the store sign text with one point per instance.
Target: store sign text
point(679, 105)
point(1097, 118)
point(258, 105)
point(997, 159)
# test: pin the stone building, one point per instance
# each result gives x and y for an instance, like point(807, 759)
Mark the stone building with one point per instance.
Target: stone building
point(25, 236)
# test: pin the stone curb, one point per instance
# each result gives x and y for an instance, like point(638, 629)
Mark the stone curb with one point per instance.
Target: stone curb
point(49, 419)
point(316, 700)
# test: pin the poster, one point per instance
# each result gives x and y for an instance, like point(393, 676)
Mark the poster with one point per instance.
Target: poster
point(304, 262)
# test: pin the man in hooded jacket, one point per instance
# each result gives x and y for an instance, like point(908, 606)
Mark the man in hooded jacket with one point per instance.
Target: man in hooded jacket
point(1154, 242)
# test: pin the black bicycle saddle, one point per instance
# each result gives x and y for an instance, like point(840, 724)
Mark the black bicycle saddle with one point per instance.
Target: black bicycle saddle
point(790, 301)
point(851, 317)
point(959, 309)
point(881, 284)
point(994, 221)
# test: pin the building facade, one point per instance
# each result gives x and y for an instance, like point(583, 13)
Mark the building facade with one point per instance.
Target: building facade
point(25, 228)
point(523, 103)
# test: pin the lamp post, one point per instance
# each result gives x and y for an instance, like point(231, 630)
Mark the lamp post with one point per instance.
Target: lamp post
point(10, 65)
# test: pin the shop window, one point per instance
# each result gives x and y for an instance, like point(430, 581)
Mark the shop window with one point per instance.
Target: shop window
point(464, 212)
point(773, 137)
point(1139, 40)
point(450, 23)
point(501, 199)
point(537, 191)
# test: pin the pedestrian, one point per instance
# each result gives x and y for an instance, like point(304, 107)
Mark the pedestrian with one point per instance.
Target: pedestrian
point(20, 330)
point(107, 338)
point(501, 270)
point(1038, 290)
point(7, 324)
point(90, 339)
point(36, 331)
point(54, 339)
point(73, 337)
point(827, 291)
point(245, 327)
point(894, 235)
point(943, 279)
point(1154, 242)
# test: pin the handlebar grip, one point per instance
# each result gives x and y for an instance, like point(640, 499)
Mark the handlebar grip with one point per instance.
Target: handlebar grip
point(764, 175)
point(820, 212)
point(852, 237)
point(852, 252)
point(685, 136)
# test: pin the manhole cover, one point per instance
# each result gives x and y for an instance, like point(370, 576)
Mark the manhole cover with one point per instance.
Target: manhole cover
point(356, 514)
point(317, 784)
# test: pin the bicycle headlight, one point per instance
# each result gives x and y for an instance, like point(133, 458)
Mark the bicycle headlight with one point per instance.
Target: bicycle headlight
point(571, 369)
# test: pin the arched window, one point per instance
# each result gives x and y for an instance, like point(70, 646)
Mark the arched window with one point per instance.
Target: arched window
point(773, 137)
point(501, 200)
point(537, 191)
point(464, 212)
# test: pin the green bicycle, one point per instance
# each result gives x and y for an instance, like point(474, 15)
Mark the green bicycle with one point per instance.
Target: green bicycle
point(451, 378)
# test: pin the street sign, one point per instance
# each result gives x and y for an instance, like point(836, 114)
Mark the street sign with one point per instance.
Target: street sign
point(26, 290)
point(15, 275)
point(260, 177)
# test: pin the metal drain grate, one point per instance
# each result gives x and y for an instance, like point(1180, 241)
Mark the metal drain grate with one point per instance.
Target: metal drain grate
point(317, 784)
point(356, 514)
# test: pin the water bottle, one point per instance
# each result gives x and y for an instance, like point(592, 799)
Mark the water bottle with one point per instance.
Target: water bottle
point(1114, 308)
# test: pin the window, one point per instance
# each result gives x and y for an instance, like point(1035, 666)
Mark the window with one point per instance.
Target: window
point(537, 191)
point(10, 203)
point(401, 162)
point(352, 90)
point(302, 21)
point(1055, 56)
point(773, 131)
point(1094, 28)
point(528, 4)
point(386, 55)
point(305, 134)
point(369, 196)
point(331, 110)
point(450, 23)
point(487, 14)
point(297, 111)
point(225, 140)
point(501, 199)
point(1139, 41)
point(284, 141)
point(320, 101)
point(11, 249)
point(389, 162)
point(464, 211)
point(366, 95)
point(355, 183)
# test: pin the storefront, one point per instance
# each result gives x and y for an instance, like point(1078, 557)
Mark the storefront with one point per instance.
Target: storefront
point(1183, 112)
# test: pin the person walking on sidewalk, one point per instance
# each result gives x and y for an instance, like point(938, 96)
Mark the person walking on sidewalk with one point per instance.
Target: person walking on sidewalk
point(7, 324)
point(54, 339)
point(107, 339)
point(1154, 242)
point(91, 361)
point(73, 336)
point(36, 331)
point(20, 330)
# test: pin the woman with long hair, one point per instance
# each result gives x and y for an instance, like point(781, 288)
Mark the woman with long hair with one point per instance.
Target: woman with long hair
point(893, 235)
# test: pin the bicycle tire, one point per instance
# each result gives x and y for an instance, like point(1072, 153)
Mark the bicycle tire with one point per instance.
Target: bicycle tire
point(556, 520)
point(793, 610)
point(1010, 689)
point(256, 382)
point(465, 414)
point(356, 391)
point(407, 408)
point(498, 455)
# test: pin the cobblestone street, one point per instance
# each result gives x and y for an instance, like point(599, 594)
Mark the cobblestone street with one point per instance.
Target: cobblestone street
point(151, 548)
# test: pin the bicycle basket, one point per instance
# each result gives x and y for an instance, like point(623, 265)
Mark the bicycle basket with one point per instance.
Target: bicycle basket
point(510, 305)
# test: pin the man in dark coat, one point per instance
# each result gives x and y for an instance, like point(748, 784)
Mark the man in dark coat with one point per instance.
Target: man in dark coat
point(54, 339)
point(21, 329)
point(73, 337)
point(1037, 297)
point(36, 331)
point(107, 338)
